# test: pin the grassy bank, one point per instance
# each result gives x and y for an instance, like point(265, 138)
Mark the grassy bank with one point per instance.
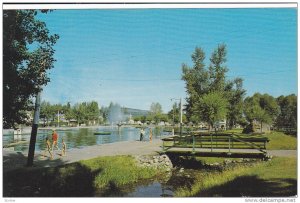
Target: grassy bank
point(104, 176)
point(274, 178)
point(278, 140)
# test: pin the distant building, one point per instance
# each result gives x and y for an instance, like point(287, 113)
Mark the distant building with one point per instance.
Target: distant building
point(220, 125)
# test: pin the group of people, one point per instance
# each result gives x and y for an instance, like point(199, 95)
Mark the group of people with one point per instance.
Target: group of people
point(142, 134)
point(50, 146)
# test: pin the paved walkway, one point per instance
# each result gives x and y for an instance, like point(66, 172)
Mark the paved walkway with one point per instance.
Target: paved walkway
point(13, 160)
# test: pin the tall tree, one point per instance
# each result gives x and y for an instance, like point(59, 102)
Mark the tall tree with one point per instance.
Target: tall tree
point(262, 108)
point(78, 112)
point(287, 117)
point(202, 82)
point(217, 69)
point(27, 55)
point(235, 94)
point(93, 111)
point(196, 80)
point(156, 111)
point(46, 112)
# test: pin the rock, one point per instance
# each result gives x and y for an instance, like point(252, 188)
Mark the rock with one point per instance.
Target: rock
point(181, 170)
point(227, 161)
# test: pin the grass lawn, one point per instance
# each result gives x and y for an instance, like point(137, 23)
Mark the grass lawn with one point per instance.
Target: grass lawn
point(278, 140)
point(274, 178)
point(104, 175)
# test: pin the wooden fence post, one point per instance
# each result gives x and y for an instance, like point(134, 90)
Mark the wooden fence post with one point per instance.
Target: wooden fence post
point(193, 144)
point(229, 144)
point(211, 142)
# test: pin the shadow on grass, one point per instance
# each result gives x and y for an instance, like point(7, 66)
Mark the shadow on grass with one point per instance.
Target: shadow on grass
point(12, 161)
point(252, 186)
point(71, 180)
point(187, 162)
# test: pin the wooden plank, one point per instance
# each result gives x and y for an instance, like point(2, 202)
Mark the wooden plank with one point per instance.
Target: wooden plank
point(215, 154)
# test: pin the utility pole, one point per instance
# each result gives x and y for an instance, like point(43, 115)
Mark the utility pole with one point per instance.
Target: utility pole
point(34, 130)
point(58, 118)
point(180, 117)
point(35, 126)
point(180, 132)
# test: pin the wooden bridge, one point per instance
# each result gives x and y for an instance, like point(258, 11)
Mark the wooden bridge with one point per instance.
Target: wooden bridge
point(216, 145)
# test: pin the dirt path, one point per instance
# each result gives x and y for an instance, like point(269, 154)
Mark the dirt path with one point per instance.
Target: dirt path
point(13, 160)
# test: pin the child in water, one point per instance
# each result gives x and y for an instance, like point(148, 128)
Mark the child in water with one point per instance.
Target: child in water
point(48, 148)
point(64, 148)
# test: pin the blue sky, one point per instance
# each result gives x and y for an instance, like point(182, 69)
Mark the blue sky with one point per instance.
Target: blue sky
point(134, 57)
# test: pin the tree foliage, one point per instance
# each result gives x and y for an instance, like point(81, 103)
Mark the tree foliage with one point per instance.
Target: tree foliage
point(202, 82)
point(156, 112)
point(27, 56)
point(287, 117)
point(82, 112)
point(235, 95)
point(262, 108)
point(212, 107)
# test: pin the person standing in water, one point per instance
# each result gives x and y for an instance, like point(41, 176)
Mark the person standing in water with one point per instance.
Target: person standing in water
point(150, 134)
point(54, 140)
point(63, 148)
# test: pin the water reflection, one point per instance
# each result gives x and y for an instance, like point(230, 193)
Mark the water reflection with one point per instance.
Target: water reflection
point(81, 137)
point(155, 189)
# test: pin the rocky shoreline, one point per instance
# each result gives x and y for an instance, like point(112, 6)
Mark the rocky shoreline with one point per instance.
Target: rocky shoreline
point(157, 162)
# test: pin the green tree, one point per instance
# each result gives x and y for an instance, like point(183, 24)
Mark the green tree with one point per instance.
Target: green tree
point(217, 69)
point(46, 112)
point(93, 111)
point(174, 113)
point(196, 81)
point(68, 112)
point(201, 82)
point(156, 111)
point(78, 112)
point(212, 107)
point(262, 108)
point(27, 56)
point(287, 117)
point(235, 94)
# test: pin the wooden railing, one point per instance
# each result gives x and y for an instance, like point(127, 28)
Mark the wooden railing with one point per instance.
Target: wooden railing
point(216, 141)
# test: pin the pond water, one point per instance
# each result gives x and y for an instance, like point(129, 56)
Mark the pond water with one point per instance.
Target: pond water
point(155, 189)
point(81, 137)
